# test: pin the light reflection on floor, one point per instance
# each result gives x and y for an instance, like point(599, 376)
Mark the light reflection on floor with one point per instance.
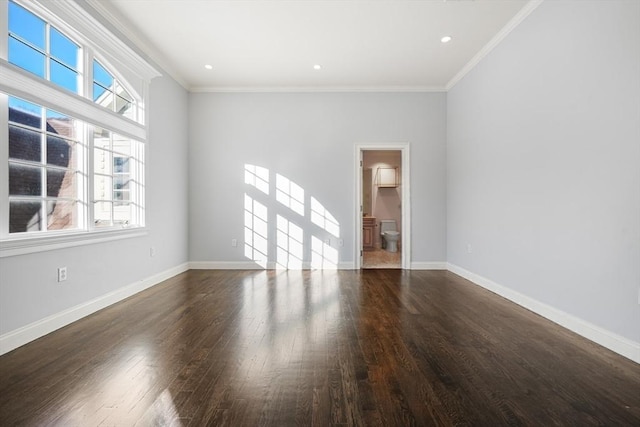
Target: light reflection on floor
point(380, 258)
point(286, 319)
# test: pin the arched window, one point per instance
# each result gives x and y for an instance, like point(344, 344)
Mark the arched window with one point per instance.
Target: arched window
point(72, 100)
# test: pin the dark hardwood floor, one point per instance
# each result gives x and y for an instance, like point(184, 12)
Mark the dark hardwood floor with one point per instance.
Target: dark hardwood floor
point(281, 348)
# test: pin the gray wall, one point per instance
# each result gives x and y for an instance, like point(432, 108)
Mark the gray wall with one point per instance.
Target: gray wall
point(309, 138)
point(28, 283)
point(543, 163)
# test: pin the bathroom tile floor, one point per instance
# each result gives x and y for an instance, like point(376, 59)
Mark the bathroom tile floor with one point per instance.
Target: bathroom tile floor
point(379, 258)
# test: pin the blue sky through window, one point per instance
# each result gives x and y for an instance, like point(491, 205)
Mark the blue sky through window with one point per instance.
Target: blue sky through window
point(26, 25)
point(28, 48)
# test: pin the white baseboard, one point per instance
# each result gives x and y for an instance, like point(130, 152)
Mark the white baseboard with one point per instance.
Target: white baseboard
point(21, 336)
point(250, 265)
point(224, 265)
point(619, 344)
point(346, 265)
point(429, 265)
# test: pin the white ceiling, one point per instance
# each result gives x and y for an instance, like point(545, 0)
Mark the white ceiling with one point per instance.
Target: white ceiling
point(274, 44)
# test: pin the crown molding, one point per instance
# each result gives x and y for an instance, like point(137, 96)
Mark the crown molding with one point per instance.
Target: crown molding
point(495, 41)
point(121, 23)
point(313, 89)
point(74, 19)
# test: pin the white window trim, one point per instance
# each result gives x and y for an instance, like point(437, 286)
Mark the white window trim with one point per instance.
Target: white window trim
point(33, 244)
point(74, 21)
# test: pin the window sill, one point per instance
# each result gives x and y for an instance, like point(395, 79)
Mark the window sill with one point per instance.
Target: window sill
point(28, 245)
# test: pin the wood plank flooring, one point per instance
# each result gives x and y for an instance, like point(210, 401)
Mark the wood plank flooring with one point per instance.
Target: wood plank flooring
point(285, 348)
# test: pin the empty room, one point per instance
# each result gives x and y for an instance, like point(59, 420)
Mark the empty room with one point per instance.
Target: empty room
point(319, 212)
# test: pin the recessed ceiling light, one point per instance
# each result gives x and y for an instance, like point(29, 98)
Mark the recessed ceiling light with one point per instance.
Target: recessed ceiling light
point(446, 39)
point(209, 67)
point(317, 67)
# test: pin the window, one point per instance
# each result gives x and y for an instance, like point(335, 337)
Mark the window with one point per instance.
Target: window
point(41, 49)
point(109, 93)
point(43, 169)
point(116, 178)
point(75, 134)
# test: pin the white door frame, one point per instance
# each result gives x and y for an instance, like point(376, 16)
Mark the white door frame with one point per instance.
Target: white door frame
point(403, 147)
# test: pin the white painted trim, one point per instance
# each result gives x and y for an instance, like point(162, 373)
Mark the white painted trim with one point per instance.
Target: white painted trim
point(404, 148)
point(495, 41)
point(621, 345)
point(35, 330)
point(313, 89)
point(28, 245)
point(346, 266)
point(250, 265)
point(18, 82)
point(224, 265)
point(441, 265)
point(124, 26)
point(75, 20)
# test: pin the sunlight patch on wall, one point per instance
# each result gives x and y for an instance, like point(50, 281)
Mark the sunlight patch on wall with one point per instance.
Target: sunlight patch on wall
point(290, 194)
point(323, 218)
point(323, 256)
point(258, 177)
point(255, 231)
point(292, 229)
point(290, 242)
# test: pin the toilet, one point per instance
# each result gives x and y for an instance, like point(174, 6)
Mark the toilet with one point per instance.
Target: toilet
point(390, 235)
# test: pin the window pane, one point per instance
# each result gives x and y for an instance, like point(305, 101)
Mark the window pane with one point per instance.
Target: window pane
point(102, 187)
point(120, 164)
point(102, 96)
point(122, 92)
point(124, 107)
point(24, 216)
point(63, 76)
point(61, 124)
point(102, 161)
point(24, 144)
point(102, 214)
point(122, 145)
point(25, 180)
point(26, 57)
point(58, 151)
point(63, 49)
point(101, 137)
point(24, 113)
point(62, 215)
point(26, 25)
point(102, 76)
point(122, 213)
point(121, 196)
point(121, 183)
point(61, 183)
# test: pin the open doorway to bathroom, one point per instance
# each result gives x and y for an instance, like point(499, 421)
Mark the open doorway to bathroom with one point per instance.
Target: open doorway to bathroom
point(383, 207)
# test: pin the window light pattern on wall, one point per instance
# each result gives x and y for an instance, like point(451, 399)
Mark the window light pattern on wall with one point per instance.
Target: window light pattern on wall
point(257, 177)
point(293, 231)
point(323, 218)
point(290, 244)
point(290, 194)
point(255, 231)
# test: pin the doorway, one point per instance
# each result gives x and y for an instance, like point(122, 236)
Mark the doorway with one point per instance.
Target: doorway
point(382, 205)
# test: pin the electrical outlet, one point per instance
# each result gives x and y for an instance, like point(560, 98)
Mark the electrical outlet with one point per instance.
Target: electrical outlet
point(62, 274)
point(469, 248)
point(341, 242)
point(234, 242)
point(152, 251)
